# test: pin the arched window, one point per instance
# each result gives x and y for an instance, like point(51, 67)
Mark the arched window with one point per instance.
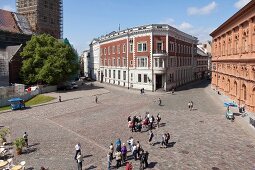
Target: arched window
point(244, 91)
point(235, 88)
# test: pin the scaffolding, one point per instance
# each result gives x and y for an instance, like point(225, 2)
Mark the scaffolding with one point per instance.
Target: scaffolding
point(44, 16)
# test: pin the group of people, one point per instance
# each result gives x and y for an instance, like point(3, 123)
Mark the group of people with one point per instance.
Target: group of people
point(119, 151)
point(137, 123)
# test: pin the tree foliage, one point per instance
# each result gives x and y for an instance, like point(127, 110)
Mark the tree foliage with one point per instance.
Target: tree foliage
point(47, 60)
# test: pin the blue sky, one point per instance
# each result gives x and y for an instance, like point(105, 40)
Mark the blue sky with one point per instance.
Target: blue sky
point(88, 19)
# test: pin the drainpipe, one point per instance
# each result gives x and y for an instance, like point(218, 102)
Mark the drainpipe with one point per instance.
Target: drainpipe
point(128, 56)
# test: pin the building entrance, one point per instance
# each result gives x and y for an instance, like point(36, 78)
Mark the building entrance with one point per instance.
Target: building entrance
point(158, 81)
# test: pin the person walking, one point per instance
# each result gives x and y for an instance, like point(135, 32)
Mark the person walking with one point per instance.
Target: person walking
point(163, 141)
point(118, 159)
point(139, 148)
point(134, 151)
point(172, 90)
point(79, 161)
point(151, 135)
point(118, 145)
point(129, 166)
point(96, 99)
point(25, 136)
point(78, 150)
point(167, 138)
point(109, 161)
point(142, 157)
point(158, 119)
point(130, 143)
point(59, 99)
point(124, 153)
point(191, 105)
point(111, 150)
point(159, 101)
point(146, 157)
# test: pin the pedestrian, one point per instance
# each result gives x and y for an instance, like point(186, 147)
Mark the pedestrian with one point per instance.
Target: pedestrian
point(59, 99)
point(146, 157)
point(141, 91)
point(118, 159)
point(129, 166)
point(109, 161)
point(158, 119)
point(151, 120)
point(130, 143)
point(111, 150)
point(142, 157)
point(129, 118)
point(79, 161)
point(151, 135)
point(25, 136)
point(167, 138)
point(118, 145)
point(191, 105)
point(134, 151)
point(78, 150)
point(172, 90)
point(96, 99)
point(159, 101)
point(124, 153)
point(163, 141)
point(138, 147)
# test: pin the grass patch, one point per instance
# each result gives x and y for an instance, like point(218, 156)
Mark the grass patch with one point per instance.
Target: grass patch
point(39, 99)
point(5, 108)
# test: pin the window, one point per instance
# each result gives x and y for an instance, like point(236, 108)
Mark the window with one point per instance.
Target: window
point(131, 46)
point(124, 62)
point(145, 78)
point(109, 50)
point(113, 49)
point(131, 62)
point(109, 62)
point(159, 46)
point(142, 47)
point(110, 75)
point(118, 49)
point(131, 76)
point(113, 74)
point(104, 51)
point(118, 74)
point(139, 77)
point(114, 62)
point(118, 62)
point(142, 62)
point(105, 73)
point(124, 48)
point(124, 75)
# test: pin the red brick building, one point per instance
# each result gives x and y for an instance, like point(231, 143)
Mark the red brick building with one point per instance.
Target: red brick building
point(151, 57)
point(233, 57)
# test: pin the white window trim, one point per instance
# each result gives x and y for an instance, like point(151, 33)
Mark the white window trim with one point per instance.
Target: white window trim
point(124, 48)
point(144, 42)
point(137, 60)
point(113, 49)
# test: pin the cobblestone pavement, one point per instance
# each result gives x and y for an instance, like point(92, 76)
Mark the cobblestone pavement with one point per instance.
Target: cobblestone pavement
point(202, 138)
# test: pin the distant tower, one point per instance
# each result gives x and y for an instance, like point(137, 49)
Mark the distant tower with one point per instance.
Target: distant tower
point(44, 16)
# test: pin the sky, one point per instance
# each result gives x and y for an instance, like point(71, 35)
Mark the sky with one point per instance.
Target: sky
point(88, 19)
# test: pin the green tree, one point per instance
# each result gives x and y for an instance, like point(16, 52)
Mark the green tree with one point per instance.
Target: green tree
point(47, 60)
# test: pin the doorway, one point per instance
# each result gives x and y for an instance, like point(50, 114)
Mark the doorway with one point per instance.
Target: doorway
point(158, 81)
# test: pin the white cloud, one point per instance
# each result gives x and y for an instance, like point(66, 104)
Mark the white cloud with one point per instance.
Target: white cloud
point(241, 3)
point(203, 10)
point(8, 8)
point(185, 26)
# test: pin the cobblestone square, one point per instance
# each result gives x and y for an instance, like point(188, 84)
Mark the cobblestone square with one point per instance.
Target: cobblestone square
point(202, 138)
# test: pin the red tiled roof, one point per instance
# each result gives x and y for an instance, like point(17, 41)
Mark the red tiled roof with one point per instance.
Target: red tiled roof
point(7, 22)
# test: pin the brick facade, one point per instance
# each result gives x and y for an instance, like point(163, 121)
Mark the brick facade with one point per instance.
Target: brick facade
point(151, 57)
point(233, 57)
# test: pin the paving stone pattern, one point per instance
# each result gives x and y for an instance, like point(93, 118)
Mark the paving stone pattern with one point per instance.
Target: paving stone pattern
point(202, 138)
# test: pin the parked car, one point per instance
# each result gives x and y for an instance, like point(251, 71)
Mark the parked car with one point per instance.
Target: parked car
point(74, 85)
